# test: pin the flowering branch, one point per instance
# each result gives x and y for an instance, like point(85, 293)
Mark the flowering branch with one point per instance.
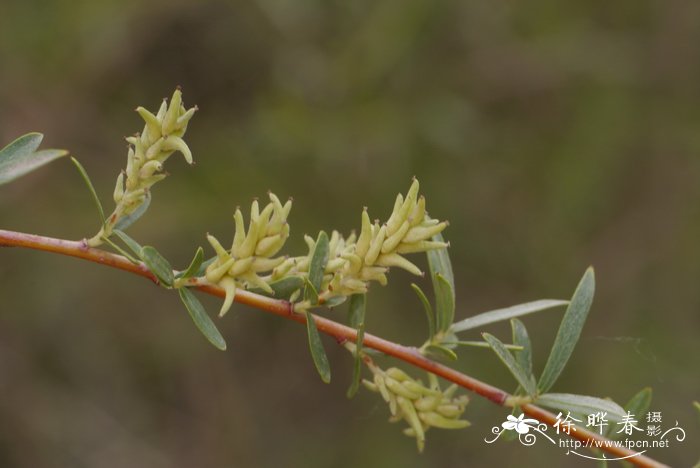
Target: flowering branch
point(342, 333)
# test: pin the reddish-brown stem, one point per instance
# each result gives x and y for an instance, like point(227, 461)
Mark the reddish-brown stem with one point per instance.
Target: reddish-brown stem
point(409, 355)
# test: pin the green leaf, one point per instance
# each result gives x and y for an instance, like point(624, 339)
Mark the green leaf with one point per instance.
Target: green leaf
point(317, 266)
point(128, 241)
point(21, 157)
point(356, 310)
point(203, 267)
point(356, 318)
point(357, 365)
point(521, 338)
point(91, 188)
point(201, 319)
point(282, 288)
point(582, 405)
point(569, 330)
point(524, 378)
point(439, 262)
point(428, 309)
point(498, 315)
point(637, 405)
point(335, 301)
point(124, 222)
point(441, 352)
point(318, 354)
point(444, 303)
point(484, 344)
point(194, 264)
point(310, 292)
point(158, 265)
point(121, 251)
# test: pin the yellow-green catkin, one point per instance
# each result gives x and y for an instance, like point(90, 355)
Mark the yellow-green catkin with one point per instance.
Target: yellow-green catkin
point(147, 152)
point(420, 406)
point(354, 262)
point(250, 261)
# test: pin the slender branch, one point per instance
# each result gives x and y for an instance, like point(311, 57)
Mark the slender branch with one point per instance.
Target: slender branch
point(341, 333)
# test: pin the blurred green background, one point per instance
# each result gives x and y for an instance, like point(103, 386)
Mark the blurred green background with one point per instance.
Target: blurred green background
point(552, 136)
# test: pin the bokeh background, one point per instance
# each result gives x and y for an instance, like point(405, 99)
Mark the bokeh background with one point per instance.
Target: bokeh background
point(552, 136)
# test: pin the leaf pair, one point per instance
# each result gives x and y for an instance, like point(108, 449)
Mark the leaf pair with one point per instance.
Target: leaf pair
point(161, 268)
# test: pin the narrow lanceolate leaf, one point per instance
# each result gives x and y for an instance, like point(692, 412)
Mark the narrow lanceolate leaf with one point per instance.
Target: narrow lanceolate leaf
point(91, 188)
point(525, 379)
point(582, 405)
point(357, 365)
point(318, 353)
point(122, 251)
point(484, 344)
point(201, 319)
point(356, 318)
point(441, 352)
point(444, 303)
point(21, 157)
point(638, 406)
point(194, 265)
point(439, 262)
point(507, 313)
point(335, 301)
point(428, 309)
point(317, 265)
point(158, 265)
point(521, 338)
point(356, 310)
point(134, 246)
point(126, 221)
point(569, 330)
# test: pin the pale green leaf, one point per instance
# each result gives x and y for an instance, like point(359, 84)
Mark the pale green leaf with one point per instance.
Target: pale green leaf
point(21, 157)
point(507, 313)
point(125, 221)
point(444, 303)
point(428, 309)
point(356, 310)
point(441, 352)
point(158, 265)
point(91, 188)
point(439, 262)
point(582, 405)
point(201, 319)
point(318, 353)
point(484, 344)
point(357, 364)
point(128, 241)
point(194, 265)
point(569, 330)
point(521, 338)
point(638, 405)
point(525, 379)
point(317, 266)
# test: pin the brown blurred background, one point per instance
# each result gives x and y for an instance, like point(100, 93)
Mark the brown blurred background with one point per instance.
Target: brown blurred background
point(552, 136)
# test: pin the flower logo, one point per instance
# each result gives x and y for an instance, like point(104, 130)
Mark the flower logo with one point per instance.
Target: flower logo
point(520, 424)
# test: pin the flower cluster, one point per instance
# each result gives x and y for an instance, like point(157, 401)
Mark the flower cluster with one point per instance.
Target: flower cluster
point(352, 262)
point(420, 406)
point(355, 261)
point(161, 137)
point(253, 252)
